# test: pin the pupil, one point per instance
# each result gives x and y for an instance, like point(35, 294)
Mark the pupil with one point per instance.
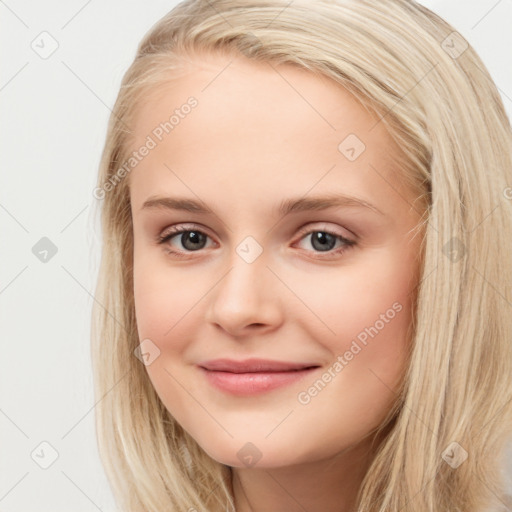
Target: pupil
point(194, 237)
point(323, 241)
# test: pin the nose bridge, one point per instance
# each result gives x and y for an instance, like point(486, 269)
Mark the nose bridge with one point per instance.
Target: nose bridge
point(245, 294)
point(247, 273)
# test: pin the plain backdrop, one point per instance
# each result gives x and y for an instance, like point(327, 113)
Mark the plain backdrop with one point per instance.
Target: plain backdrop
point(54, 114)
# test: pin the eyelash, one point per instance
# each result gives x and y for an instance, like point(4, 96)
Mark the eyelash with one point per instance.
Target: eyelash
point(174, 231)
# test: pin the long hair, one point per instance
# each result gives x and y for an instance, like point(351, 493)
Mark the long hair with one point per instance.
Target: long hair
point(437, 100)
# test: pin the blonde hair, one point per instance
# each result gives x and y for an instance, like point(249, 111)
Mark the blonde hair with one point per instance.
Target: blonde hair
point(438, 102)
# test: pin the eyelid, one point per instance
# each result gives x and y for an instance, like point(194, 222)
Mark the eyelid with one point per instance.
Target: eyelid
point(304, 230)
point(323, 226)
point(185, 226)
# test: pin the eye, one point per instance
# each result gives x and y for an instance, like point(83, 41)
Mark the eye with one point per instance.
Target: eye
point(324, 240)
point(191, 239)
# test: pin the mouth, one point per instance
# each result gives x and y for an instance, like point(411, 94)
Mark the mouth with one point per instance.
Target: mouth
point(254, 365)
point(252, 377)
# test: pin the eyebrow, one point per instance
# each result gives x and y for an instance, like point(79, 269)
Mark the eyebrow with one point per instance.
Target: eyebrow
point(285, 207)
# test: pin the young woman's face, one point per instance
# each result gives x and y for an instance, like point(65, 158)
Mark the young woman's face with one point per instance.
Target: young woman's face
point(273, 262)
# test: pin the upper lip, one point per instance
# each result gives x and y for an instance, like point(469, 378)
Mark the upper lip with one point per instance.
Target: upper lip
point(253, 365)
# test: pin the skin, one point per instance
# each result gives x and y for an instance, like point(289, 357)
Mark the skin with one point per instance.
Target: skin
point(259, 135)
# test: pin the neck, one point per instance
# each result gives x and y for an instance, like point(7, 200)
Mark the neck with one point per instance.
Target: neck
point(330, 485)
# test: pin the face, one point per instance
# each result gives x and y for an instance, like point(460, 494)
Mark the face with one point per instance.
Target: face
point(245, 246)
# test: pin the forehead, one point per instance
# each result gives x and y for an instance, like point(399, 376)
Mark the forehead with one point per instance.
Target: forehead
point(256, 95)
point(258, 128)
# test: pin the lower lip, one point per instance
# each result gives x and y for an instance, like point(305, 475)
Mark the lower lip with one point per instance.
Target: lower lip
point(253, 383)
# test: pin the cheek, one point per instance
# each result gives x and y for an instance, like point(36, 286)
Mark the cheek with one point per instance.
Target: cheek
point(153, 302)
point(347, 300)
point(163, 302)
point(160, 292)
point(368, 313)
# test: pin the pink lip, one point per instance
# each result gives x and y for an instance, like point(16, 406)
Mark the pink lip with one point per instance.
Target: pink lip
point(253, 365)
point(253, 376)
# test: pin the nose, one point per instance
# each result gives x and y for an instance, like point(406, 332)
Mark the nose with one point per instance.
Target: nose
point(246, 299)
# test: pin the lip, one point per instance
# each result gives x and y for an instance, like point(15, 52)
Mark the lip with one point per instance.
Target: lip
point(253, 376)
point(253, 365)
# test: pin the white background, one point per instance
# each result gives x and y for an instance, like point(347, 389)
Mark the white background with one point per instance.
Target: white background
point(54, 118)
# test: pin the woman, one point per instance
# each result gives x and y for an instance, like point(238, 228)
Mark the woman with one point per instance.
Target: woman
point(305, 284)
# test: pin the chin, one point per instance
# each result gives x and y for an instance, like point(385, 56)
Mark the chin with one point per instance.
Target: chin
point(247, 454)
